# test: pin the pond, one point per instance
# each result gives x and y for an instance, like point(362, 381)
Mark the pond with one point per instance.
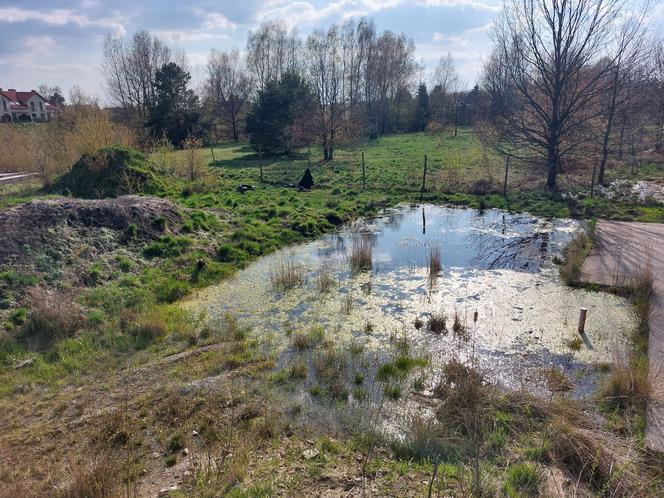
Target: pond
point(498, 278)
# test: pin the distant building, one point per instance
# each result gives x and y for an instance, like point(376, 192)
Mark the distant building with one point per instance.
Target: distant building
point(24, 106)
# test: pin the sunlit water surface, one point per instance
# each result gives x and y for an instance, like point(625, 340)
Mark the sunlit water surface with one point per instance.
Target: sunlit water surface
point(497, 264)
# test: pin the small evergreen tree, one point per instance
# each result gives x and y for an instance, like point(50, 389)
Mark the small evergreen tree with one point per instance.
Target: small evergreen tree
point(276, 111)
point(422, 109)
point(176, 113)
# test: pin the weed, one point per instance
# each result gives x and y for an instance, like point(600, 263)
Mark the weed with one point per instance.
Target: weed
point(575, 343)
point(459, 328)
point(418, 323)
point(437, 323)
point(557, 381)
point(392, 392)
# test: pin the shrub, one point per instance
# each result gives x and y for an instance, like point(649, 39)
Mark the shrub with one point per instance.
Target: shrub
point(228, 253)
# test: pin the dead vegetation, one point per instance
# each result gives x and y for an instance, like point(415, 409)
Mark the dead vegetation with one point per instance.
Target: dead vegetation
point(361, 252)
point(286, 275)
point(575, 254)
point(434, 262)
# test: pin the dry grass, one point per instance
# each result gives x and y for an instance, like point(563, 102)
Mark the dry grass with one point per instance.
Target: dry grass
point(325, 279)
point(50, 149)
point(575, 254)
point(434, 262)
point(98, 479)
point(53, 317)
point(557, 381)
point(627, 386)
point(361, 252)
point(286, 275)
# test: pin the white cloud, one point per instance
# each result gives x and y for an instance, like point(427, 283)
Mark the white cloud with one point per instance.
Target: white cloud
point(217, 20)
point(193, 36)
point(59, 17)
point(39, 45)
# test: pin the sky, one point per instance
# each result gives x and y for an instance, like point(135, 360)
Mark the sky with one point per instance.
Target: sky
point(58, 42)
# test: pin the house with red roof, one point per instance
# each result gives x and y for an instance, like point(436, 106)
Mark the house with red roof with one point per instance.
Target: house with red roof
point(25, 106)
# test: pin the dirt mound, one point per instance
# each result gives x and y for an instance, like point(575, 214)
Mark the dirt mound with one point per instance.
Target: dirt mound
point(42, 223)
point(110, 172)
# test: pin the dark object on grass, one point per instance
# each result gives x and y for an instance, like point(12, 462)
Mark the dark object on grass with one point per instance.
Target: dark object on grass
point(243, 188)
point(307, 181)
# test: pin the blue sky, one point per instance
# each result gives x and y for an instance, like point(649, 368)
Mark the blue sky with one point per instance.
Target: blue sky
point(58, 42)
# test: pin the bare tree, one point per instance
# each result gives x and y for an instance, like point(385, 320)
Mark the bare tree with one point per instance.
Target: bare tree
point(272, 51)
point(130, 68)
point(627, 65)
point(326, 70)
point(228, 86)
point(657, 52)
point(548, 70)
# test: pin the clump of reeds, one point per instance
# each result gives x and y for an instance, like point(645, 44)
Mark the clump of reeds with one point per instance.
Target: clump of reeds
point(627, 387)
point(557, 381)
point(641, 292)
point(437, 323)
point(360, 253)
point(286, 275)
point(324, 279)
point(459, 327)
point(433, 262)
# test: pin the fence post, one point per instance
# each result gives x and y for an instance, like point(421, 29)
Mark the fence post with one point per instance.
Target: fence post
point(260, 162)
point(214, 161)
point(592, 182)
point(424, 178)
point(507, 167)
point(364, 174)
point(582, 320)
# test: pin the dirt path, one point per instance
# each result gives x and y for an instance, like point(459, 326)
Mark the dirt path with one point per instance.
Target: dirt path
point(624, 249)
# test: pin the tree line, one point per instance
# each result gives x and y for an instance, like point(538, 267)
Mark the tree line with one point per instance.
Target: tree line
point(567, 81)
point(285, 91)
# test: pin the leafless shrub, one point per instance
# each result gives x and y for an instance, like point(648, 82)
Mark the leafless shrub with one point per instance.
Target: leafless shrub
point(53, 317)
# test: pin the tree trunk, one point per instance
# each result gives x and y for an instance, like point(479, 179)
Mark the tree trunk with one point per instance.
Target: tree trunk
point(607, 131)
point(552, 161)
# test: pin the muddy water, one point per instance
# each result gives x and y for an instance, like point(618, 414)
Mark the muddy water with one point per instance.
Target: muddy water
point(495, 264)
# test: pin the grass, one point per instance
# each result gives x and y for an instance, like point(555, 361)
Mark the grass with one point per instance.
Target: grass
point(521, 480)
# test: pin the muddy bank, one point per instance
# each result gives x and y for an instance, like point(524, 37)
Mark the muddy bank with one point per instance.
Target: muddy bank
point(54, 222)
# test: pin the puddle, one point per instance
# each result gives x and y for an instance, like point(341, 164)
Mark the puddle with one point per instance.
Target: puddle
point(495, 264)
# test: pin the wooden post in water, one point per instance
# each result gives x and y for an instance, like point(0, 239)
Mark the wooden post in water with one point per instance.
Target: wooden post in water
point(424, 178)
point(507, 167)
point(582, 320)
point(592, 182)
point(364, 174)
